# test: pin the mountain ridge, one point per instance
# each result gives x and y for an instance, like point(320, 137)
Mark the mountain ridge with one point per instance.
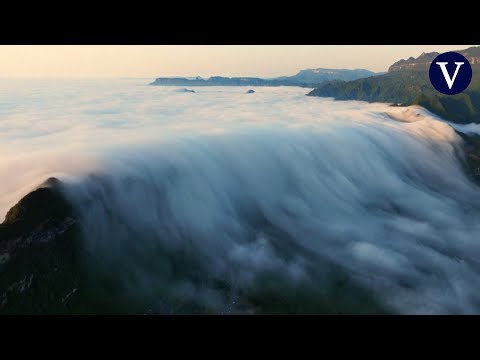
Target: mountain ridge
point(304, 78)
point(407, 83)
point(423, 61)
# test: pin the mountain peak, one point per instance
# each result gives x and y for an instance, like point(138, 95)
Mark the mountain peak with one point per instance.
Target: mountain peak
point(423, 62)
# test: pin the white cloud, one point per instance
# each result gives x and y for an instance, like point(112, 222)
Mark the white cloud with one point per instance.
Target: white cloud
point(244, 185)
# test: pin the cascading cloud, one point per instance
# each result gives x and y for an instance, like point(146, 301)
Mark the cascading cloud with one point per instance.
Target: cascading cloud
point(219, 198)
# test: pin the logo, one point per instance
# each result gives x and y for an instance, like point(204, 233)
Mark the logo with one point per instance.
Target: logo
point(450, 73)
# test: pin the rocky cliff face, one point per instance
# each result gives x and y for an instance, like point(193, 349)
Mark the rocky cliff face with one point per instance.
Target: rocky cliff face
point(44, 265)
point(38, 255)
point(423, 62)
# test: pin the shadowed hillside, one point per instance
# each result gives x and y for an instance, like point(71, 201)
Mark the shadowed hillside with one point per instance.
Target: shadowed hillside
point(407, 83)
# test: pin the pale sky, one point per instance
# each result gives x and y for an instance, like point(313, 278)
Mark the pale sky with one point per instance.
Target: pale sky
point(81, 61)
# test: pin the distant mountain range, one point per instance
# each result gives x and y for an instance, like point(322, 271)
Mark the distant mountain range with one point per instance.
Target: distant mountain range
point(407, 83)
point(317, 76)
point(305, 78)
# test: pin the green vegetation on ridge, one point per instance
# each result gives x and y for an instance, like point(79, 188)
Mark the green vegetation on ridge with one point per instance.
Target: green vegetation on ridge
point(410, 87)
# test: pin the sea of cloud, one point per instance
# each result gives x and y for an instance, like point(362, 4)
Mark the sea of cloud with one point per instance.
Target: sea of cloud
point(180, 191)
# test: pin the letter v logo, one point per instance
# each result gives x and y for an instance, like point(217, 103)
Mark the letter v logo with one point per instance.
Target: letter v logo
point(446, 75)
point(450, 73)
